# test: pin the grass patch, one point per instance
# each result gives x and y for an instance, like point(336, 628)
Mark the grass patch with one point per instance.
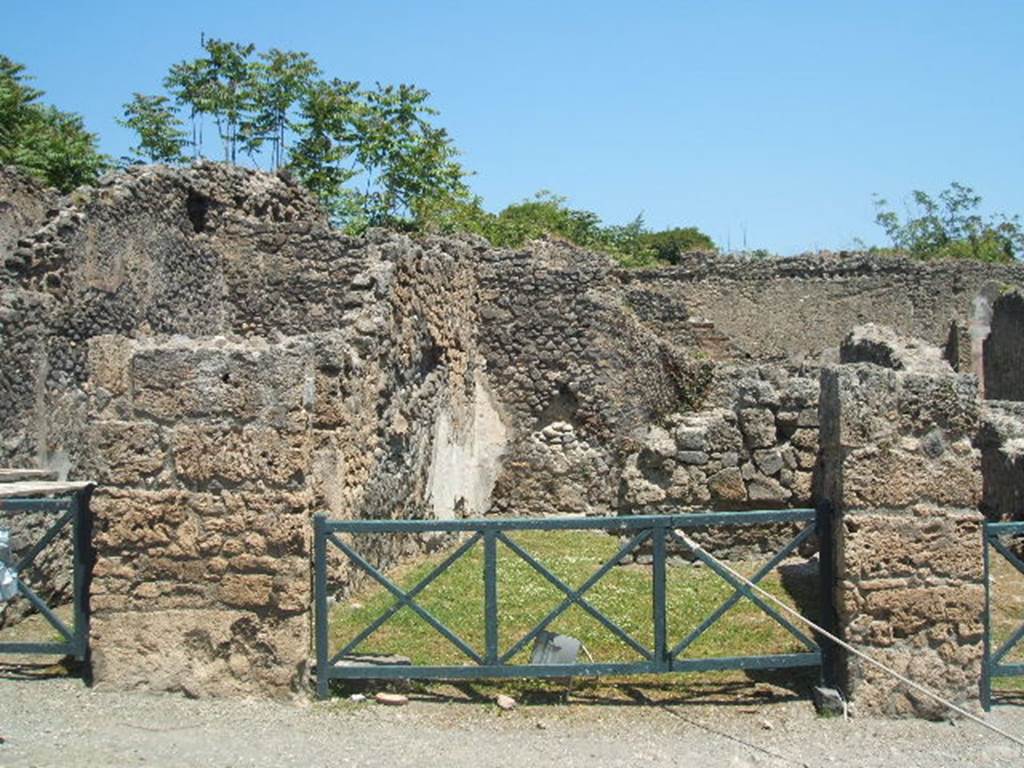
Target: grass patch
point(36, 629)
point(456, 598)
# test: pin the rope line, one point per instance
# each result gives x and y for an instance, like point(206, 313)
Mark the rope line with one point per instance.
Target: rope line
point(875, 663)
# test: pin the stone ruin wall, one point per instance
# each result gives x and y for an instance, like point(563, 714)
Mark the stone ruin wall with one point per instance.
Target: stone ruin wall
point(24, 208)
point(203, 345)
point(800, 309)
point(224, 365)
point(898, 458)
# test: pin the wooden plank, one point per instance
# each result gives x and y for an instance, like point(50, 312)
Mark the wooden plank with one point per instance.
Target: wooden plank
point(33, 488)
point(14, 475)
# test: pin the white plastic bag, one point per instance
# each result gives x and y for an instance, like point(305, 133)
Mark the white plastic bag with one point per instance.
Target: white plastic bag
point(8, 577)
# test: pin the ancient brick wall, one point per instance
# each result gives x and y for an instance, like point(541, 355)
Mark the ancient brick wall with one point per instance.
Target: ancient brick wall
point(24, 206)
point(212, 455)
point(754, 446)
point(579, 377)
point(201, 451)
point(224, 365)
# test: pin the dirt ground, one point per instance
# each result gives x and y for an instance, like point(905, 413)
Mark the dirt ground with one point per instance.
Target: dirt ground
point(59, 721)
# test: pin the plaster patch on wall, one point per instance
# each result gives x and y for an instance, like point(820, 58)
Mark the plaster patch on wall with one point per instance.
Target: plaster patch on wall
point(464, 467)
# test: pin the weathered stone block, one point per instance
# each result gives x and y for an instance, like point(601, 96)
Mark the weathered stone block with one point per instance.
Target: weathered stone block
point(220, 379)
point(249, 590)
point(728, 486)
point(109, 365)
point(124, 453)
point(208, 453)
point(947, 403)
point(887, 477)
point(768, 460)
point(767, 489)
point(201, 652)
point(925, 541)
point(693, 458)
point(859, 406)
point(758, 425)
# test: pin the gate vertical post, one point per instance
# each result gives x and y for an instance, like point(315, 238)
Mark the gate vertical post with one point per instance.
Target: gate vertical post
point(824, 523)
point(491, 595)
point(81, 548)
point(320, 603)
point(662, 662)
point(986, 662)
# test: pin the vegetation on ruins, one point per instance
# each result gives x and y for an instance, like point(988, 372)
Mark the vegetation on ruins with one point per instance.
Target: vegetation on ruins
point(376, 157)
point(373, 156)
point(48, 143)
point(949, 226)
point(549, 215)
point(161, 138)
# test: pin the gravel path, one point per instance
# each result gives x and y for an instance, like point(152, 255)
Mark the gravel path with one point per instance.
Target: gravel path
point(61, 722)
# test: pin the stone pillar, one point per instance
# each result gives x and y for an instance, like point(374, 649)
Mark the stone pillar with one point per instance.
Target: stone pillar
point(901, 471)
point(202, 580)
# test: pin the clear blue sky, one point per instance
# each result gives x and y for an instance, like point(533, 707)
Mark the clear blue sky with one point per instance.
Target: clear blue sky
point(780, 118)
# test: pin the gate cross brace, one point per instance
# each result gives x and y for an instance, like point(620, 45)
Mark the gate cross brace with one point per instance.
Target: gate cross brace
point(406, 598)
point(743, 590)
point(27, 562)
point(1018, 564)
point(578, 599)
point(574, 596)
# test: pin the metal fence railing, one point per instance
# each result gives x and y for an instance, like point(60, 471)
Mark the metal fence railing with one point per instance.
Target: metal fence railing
point(495, 658)
point(996, 662)
point(69, 505)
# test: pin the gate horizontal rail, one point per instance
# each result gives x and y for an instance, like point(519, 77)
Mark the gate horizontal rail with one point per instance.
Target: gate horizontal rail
point(994, 664)
point(494, 662)
point(72, 511)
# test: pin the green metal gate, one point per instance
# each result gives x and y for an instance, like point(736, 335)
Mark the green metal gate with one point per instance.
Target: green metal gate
point(71, 511)
point(494, 660)
point(995, 662)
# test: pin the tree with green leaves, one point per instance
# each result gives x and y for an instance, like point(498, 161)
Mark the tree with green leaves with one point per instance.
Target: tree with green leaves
point(374, 157)
point(187, 84)
point(17, 101)
point(230, 86)
point(546, 215)
point(950, 227)
point(402, 157)
point(50, 144)
point(221, 85)
point(162, 138)
point(322, 156)
point(282, 80)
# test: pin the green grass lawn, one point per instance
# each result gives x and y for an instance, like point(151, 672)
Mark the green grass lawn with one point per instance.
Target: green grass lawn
point(525, 597)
